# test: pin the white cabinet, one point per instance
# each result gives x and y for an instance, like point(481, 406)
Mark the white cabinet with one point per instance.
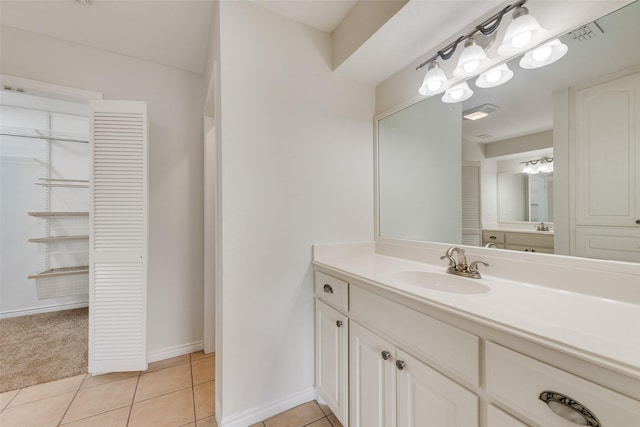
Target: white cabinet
point(372, 378)
point(331, 344)
point(391, 388)
point(519, 241)
point(606, 120)
point(331, 359)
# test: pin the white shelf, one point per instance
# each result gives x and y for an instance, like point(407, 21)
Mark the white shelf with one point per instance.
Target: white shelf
point(43, 134)
point(60, 272)
point(54, 214)
point(57, 239)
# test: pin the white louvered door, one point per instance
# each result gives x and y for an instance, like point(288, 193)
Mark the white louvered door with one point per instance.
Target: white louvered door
point(471, 227)
point(118, 236)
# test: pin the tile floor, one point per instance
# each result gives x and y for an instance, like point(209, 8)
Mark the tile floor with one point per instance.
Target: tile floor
point(172, 393)
point(175, 392)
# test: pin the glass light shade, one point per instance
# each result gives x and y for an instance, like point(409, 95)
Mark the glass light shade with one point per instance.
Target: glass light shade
point(494, 77)
point(435, 81)
point(530, 168)
point(522, 33)
point(544, 55)
point(472, 60)
point(546, 166)
point(457, 93)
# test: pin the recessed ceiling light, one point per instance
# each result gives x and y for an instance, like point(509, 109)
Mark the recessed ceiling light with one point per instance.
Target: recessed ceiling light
point(479, 112)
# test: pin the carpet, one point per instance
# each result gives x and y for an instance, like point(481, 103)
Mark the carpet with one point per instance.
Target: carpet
point(43, 347)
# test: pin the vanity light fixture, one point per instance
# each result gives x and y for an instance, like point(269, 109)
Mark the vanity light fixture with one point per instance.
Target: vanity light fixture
point(435, 81)
point(495, 76)
point(472, 59)
point(543, 165)
point(479, 112)
point(523, 33)
point(544, 55)
point(457, 93)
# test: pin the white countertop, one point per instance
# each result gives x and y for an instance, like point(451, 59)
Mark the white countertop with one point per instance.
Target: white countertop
point(599, 330)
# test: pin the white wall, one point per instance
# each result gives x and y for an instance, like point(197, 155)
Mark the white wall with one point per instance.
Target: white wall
point(297, 169)
point(175, 100)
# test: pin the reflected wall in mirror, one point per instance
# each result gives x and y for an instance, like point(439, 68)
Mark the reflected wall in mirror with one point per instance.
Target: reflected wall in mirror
point(583, 110)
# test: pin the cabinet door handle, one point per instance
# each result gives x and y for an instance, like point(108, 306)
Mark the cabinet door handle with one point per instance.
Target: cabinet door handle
point(327, 288)
point(569, 409)
point(400, 364)
point(339, 323)
point(493, 237)
point(638, 221)
point(385, 355)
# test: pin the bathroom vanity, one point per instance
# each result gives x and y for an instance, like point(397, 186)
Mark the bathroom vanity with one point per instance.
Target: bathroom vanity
point(519, 240)
point(401, 343)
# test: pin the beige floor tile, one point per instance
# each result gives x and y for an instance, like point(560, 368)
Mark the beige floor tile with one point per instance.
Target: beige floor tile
point(102, 398)
point(52, 388)
point(92, 380)
point(209, 422)
point(204, 370)
point(169, 410)
point(117, 418)
point(334, 421)
point(42, 413)
point(320, 423)
point(5, 398)
point(205, 399)
point(163, 381)
point(197, 355)
point(325, 408)
point(297, 417)
point(166, 363)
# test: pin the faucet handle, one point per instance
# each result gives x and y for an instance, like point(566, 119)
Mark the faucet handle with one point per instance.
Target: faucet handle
point(473, 267)
point(452, 262)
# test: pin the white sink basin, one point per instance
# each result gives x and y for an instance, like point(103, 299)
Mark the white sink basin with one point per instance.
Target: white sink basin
point(442, 282)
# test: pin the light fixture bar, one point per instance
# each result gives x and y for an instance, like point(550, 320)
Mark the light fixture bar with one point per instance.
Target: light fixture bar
point(487, 27)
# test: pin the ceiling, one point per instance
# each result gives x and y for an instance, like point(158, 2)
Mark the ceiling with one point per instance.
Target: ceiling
point(325, 15)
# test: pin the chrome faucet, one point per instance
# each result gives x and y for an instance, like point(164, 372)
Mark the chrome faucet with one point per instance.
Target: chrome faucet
point(461, 268)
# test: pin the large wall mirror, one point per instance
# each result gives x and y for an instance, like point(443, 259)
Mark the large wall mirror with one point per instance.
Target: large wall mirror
point(442, 178)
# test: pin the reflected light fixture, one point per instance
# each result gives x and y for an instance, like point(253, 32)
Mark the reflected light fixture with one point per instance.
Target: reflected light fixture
point(479, 112)
point(435, 81)
point(472, 60)
point(543, 165)
point(544, 55)
point(494, 77)
point(457, 93)
point(522, 33)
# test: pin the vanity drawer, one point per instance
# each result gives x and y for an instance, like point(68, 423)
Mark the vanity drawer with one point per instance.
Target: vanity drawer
point(430, 340)
point(518, 381)
point(332, 291)
point(531, 239)
point(492, 237)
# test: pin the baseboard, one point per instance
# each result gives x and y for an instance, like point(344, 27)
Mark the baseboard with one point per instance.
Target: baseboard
point(260, 413)
point(178, 350)
point(43, 309)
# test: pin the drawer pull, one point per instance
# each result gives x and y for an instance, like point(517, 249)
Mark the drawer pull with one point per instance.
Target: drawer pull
point(638, 221)
point(493, 237)
point(400, 364)
point(569, 409)
point(339, 323)
point(385, 355)
point(327, 288)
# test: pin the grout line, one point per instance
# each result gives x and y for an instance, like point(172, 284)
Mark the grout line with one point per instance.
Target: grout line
point(72, 400)
point(193, 394)
point(11, 400)
point(133, 399)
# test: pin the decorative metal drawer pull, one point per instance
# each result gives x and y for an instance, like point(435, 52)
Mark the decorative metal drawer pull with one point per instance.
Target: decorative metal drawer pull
point(385, 355)
point(339, 323)
point(328, 289)
point(569, 409)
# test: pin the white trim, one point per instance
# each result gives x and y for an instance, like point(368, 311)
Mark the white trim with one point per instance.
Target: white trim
point(178, 350)
point(50, 90)
point(44, 309)
point(260, 413)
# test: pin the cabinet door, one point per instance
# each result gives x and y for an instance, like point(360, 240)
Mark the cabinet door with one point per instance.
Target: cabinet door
point(372, 379)
point(331, 359)
point(427, 398)
point(607, 136)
